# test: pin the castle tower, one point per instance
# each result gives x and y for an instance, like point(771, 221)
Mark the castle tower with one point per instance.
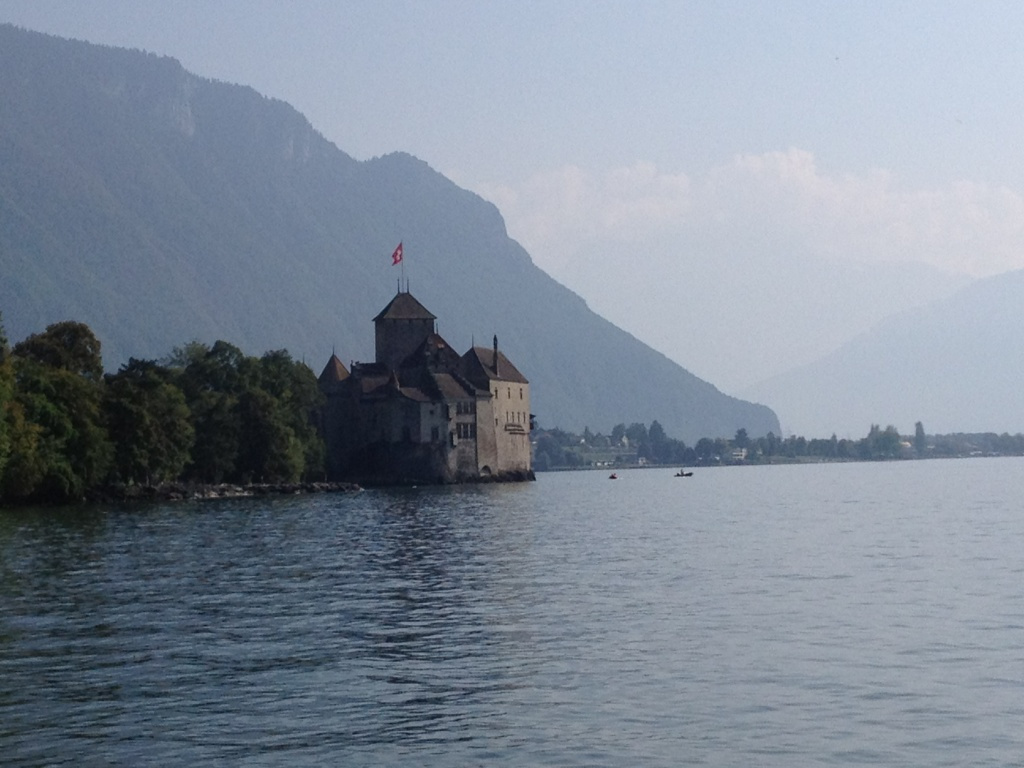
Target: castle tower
point(400, 328)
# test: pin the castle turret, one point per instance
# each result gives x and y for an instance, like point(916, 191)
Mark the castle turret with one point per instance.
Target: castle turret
point(401, 327)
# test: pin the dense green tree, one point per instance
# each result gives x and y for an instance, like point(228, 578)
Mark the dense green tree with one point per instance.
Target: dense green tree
point(253, 417)
point(661, 447)
point(547, 451)
point(294, 387)
point(59, 446)
point(66, 346)
point(880, 444)
point(796, 446)
point(26, 463)
point(705, 449)
point(618, 432)
point(61, 449)
point(825, 448)
point(637, 433)
point(148, 422)
point(269, 449)
point(212, 380)
point(920, 441)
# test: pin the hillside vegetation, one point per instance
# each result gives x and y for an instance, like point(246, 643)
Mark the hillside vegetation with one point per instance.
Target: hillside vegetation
point(158, 207)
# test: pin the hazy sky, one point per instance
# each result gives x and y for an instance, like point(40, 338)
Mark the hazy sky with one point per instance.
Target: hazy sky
point(616, 136)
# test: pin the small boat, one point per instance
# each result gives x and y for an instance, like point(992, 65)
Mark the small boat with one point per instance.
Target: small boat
point(613, 476)
point(680, 473)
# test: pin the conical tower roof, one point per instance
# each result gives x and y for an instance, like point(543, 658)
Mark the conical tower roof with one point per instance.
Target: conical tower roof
point(404, 307)
point(334, 371)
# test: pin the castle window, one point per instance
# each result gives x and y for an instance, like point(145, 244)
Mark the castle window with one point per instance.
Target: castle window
point(435, 435)
point(520, 393)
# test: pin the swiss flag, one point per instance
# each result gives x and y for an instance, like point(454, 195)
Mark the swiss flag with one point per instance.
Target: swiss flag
point(396, 257)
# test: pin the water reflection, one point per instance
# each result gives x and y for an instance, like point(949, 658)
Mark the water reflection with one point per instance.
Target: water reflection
point(434, 634)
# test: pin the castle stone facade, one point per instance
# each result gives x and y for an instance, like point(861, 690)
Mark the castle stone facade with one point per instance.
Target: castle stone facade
point(422, 413)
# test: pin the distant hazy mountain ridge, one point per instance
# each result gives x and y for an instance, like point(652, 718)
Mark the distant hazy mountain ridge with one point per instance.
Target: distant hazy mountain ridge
point(159, 207)
point(954, 365)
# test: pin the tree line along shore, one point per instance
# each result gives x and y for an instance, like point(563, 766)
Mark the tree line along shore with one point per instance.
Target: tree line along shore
point(641, 445)
point(208, 421)
point(204, 418)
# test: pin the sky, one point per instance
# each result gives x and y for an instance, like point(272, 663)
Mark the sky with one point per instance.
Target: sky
point(742, 185)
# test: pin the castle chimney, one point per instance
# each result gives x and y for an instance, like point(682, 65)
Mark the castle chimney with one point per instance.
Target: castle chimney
point(495, 366)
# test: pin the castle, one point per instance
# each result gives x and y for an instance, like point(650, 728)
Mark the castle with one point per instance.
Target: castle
point(421, 413)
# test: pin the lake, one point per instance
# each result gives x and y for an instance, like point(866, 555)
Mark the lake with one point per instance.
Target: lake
point(831, 614)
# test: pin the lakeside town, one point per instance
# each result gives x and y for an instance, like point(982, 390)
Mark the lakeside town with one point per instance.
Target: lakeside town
point(638, 445)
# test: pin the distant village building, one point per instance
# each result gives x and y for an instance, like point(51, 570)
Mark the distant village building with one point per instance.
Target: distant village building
point(421, 413)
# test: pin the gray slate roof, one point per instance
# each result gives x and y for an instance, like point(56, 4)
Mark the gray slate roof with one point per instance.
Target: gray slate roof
point(478, 364)
point(404, 307)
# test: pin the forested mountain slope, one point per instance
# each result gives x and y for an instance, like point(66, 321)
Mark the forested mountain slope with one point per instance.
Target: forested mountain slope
point(159, 207)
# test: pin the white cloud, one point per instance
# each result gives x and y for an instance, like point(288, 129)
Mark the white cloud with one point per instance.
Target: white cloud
point(762, 264)
point(784, 197)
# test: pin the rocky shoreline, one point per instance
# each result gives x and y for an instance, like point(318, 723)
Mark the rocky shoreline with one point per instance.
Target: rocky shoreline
point(194, 491)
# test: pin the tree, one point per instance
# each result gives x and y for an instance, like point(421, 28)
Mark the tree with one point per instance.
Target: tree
point(59, 447)
point(768, 445)
point(705, 449)
point(213, 380)
point(294, 386)
point(548, 453)
point(920, 441)
point(880, 444)
point(62, 448)
point(253, 417)
point(66, 346)
point(149, 423)
point(661, 446)
point(618, 432)
point(637, 433)
point(741, 440)
point(269, 449)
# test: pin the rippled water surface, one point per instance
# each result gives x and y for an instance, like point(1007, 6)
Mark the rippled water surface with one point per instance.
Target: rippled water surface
point(770, 616)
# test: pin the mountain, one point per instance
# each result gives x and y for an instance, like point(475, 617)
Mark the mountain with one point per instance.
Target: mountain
point(784, 305)
point(954, 365)
point(159, 207)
